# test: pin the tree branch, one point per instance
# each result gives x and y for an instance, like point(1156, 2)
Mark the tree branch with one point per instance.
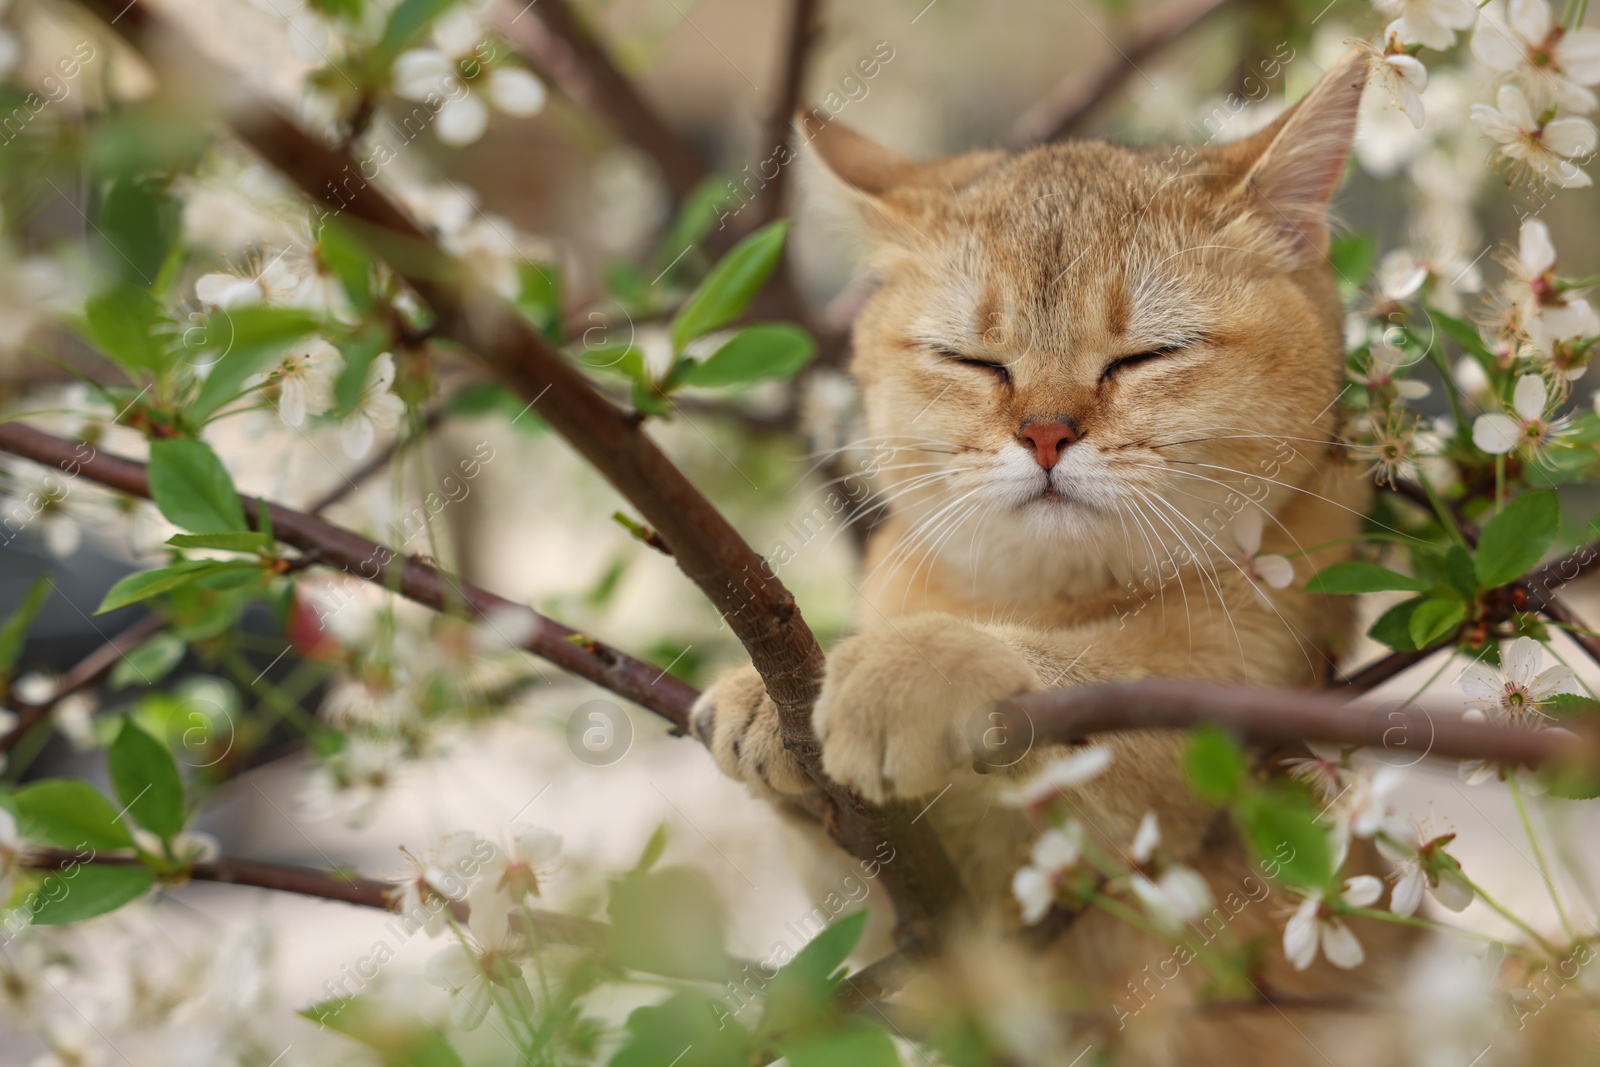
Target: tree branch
point(758, 608)
point(644, 684)
point(802, 34)
point(557, 43)
point(88, 671)
point(1269, 717)
point(1079, 93)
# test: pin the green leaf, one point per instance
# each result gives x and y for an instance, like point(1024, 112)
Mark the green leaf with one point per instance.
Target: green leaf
point(136, 223)
point(1281, 825)
point(1358, 576)
point(406, 25)
point(688, 1020)
point(1463, 575)
point(400, 1038)
point(70, 813)
point(122, 323)
point(1435, 619)
point(653, 849)
point(228, 541)
point(769, 350)
point(349, 261)
point(699, 210)
point(192, 488)
point(689, 945)
point(1393, 627)
point(1462, 333)
point(15, 630)
point(147, 781)
point(539, 297)
point(855, 1042)
point(1514, 541)
point(149, 662)
point(247, 340)
point(1352, 256)
point(730, 286)
point(88, 889)
point(1213, 764)
point(358, 353)
point(146, 584)
point(800, 994)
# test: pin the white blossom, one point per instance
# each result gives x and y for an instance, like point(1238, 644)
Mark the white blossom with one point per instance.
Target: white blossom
point(1526, 424)
point(1430, 23)
point(454, 71)
point(1553, 63)
point(1546, 149)
point(1272, 569)
point(378, 409)
point(1069, 772)
point(1314, 925)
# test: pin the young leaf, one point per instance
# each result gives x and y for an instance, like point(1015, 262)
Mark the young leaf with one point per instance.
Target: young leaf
point(86, 890)
point(856, 1042)
point(1461, 571)
point(1434, 619)
point(400, 1038)
point(730, 286)
point(1517, 538)
point(1281, 826)
point(769, 350)
point(229, 541)
point(1357, 576)
point(147, 781)
point(148, 663)
point(653, 849)
point(1393, 627)
point(1462, 333)
point(146, 584)
point(122, 323)
point(246, 340)
point(70, 813)
point(800, 994)
point(539, 297)
point(136, 222)
point(657, 1033)
point(689, 946)
point(1213, 764)
point(15, 630)
point(192, 488)
point(406, 25)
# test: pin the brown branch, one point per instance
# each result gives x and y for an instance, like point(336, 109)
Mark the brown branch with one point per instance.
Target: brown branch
point(803, 32)
point(556, 42)
point(549, 926)
point(1376, 673)
point(758, 608)
point(1060, 110)
point(1268, 717)
point(88, 671)
point(580, 654)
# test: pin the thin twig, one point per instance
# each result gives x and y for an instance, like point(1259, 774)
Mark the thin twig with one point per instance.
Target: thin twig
point(1268, 717)
point(555, 41)
point(1079, 93)
point(643, 683)
point(802, 34)
point(353, 481)
point(87, 672)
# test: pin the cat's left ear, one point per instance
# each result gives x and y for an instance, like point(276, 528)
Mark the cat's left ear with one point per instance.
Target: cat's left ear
point(1292, 168)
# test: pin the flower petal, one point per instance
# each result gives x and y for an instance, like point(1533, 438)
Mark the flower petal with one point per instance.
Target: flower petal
point(1522, 659)
point(420, 73)
point(1530, 20)
point(1276, 571)
point(1145, 839)
point(1406, 896)
point(516, 91)
point(1341, 946)
point(1496, 434)
point(463, 120)
point(1553, 680)
point(1362, 891)
point(1300, 935)
point(1534, 249)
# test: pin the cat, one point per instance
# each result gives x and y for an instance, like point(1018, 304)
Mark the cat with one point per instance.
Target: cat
point(1100, 375)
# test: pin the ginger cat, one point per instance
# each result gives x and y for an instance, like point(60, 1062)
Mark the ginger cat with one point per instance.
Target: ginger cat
point(1100, 371)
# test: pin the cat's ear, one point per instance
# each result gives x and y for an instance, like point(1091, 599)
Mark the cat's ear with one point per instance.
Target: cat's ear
point(1292, 168)
point(861, 164)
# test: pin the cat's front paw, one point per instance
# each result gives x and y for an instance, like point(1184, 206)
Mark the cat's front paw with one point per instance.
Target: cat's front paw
point(738, 722)
point(897, 702)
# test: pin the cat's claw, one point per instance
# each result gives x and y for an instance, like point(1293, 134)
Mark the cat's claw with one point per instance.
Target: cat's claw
point(738, 722)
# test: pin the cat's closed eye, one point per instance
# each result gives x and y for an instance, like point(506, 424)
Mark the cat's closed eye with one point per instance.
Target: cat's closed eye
point(1000, 370)
point(1124, 362)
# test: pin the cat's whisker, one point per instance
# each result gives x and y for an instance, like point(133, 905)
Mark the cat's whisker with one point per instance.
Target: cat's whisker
point(1265, 511)
point(1295, 488)
point(1156, 501)
point(1300, 638)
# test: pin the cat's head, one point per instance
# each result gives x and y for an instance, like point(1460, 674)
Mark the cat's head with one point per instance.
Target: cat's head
point(1086, 343)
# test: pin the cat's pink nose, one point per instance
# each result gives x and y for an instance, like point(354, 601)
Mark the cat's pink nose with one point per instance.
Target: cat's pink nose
point(1046, 439)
